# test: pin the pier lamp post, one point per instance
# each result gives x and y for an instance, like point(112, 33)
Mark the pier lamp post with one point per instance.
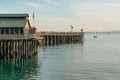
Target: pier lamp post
point(71, 28)
point(81, 30)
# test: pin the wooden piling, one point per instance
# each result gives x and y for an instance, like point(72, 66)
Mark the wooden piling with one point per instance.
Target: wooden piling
point(17, 49)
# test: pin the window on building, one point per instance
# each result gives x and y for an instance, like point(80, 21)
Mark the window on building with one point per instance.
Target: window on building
point(2, 30)
point(21, 30)
point(11, 30)
point(16, 30)
point(6, 30)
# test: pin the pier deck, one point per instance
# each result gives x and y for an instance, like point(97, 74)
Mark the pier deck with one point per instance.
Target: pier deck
point(53, 38)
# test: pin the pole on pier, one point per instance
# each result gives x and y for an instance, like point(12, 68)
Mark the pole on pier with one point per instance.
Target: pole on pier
point(71, 28)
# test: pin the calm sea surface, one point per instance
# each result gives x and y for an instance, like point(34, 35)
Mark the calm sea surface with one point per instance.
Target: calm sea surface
point(95, 59)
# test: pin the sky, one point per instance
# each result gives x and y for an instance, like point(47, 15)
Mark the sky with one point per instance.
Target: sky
point(58, 15)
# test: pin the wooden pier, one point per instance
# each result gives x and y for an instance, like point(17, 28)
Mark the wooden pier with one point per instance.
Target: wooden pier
point(17, 47)
point(17, 40)
point(54, 38)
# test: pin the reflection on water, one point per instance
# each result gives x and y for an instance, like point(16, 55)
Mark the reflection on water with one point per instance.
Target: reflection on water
point(18, 69)
point(60, 62)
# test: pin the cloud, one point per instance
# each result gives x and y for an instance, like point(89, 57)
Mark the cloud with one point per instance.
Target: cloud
point(99, 14)
point(34, 5)
point(48, 1)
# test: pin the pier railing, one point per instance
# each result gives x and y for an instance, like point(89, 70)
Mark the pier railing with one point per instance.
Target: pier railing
point(15, 36)
point(61, 33)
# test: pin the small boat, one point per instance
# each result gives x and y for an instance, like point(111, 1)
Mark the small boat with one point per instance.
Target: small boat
point(95, 35)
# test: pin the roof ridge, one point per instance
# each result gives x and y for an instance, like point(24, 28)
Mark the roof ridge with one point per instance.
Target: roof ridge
point(14, 15)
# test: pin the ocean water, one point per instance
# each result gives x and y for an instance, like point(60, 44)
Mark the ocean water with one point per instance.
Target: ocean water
point(95, 59)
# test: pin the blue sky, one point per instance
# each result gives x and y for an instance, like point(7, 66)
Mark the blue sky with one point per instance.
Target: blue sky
point(58, 15)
